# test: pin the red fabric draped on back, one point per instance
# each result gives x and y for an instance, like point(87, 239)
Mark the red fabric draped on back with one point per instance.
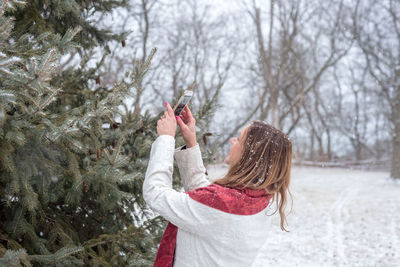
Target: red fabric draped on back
point(235, 201)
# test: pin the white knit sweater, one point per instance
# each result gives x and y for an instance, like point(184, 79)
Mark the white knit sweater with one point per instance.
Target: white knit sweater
point(206, 236)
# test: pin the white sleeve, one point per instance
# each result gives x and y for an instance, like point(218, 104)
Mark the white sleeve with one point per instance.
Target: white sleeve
point(176, 207)
point(191, 168)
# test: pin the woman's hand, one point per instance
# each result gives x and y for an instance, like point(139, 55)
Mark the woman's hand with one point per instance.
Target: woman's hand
point(167, 123)
point(187, 123)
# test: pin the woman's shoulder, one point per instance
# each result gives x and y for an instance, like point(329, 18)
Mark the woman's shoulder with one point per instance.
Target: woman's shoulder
point(231, 200)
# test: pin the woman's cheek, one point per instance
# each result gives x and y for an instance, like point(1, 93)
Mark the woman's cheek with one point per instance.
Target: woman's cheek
point(227, 160)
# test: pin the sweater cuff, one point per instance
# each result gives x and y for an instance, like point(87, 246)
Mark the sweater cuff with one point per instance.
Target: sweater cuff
point(186, 154)
point(189, 160)
point(163, 147)
point(166, 139)
point(181, 148)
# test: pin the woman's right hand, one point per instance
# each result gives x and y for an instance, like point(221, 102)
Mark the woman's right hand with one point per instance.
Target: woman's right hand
point(187, 123)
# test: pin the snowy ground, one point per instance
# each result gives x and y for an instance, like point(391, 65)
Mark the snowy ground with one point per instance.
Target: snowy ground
point(340, 217)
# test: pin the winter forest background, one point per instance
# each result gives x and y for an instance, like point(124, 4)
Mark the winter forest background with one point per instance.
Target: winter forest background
point(83, 83)
point(326, 73)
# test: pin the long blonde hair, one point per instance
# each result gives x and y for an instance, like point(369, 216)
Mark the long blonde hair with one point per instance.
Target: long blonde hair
point(265, 163)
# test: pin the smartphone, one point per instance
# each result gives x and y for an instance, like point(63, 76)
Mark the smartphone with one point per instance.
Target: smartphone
point(182, 102)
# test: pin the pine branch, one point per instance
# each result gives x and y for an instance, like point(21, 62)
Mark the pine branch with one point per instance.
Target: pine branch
point(14, 258)
point(18, 217)
point(47, 68)
point(57, 256)
point(7, 96)
point(116, 152)
point(50, 99)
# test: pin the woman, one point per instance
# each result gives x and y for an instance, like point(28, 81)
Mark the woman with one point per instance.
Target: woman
point(223, 223)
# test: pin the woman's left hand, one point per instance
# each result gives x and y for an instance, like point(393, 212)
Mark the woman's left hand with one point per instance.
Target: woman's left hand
point(167, 123)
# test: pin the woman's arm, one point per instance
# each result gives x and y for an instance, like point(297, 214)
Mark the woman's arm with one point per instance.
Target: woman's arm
point(189, 160)
point(176, 207)
point(191, 168)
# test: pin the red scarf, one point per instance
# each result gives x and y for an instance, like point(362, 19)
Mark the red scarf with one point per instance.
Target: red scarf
point(235, 201)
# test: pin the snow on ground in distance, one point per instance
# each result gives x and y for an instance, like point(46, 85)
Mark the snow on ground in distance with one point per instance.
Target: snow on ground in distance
point(340, 217)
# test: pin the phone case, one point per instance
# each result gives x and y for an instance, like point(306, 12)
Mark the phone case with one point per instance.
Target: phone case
point(182, 102)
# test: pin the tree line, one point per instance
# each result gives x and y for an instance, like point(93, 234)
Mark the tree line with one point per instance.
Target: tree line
point(326, 73)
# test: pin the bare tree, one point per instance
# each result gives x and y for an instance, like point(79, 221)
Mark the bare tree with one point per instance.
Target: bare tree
point(290, 58)
point(378, 36)
point(141, 21)
point(200, 48)
point(351, 119)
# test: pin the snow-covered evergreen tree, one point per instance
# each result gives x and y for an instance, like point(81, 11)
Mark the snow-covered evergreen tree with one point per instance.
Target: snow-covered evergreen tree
point(70, 188)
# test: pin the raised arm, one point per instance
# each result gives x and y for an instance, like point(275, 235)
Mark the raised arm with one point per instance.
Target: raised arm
point(191, 168)
point(189, 159)
point(176, 207)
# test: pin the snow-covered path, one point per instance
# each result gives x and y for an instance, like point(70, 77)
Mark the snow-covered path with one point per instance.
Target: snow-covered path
point(340, 218)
